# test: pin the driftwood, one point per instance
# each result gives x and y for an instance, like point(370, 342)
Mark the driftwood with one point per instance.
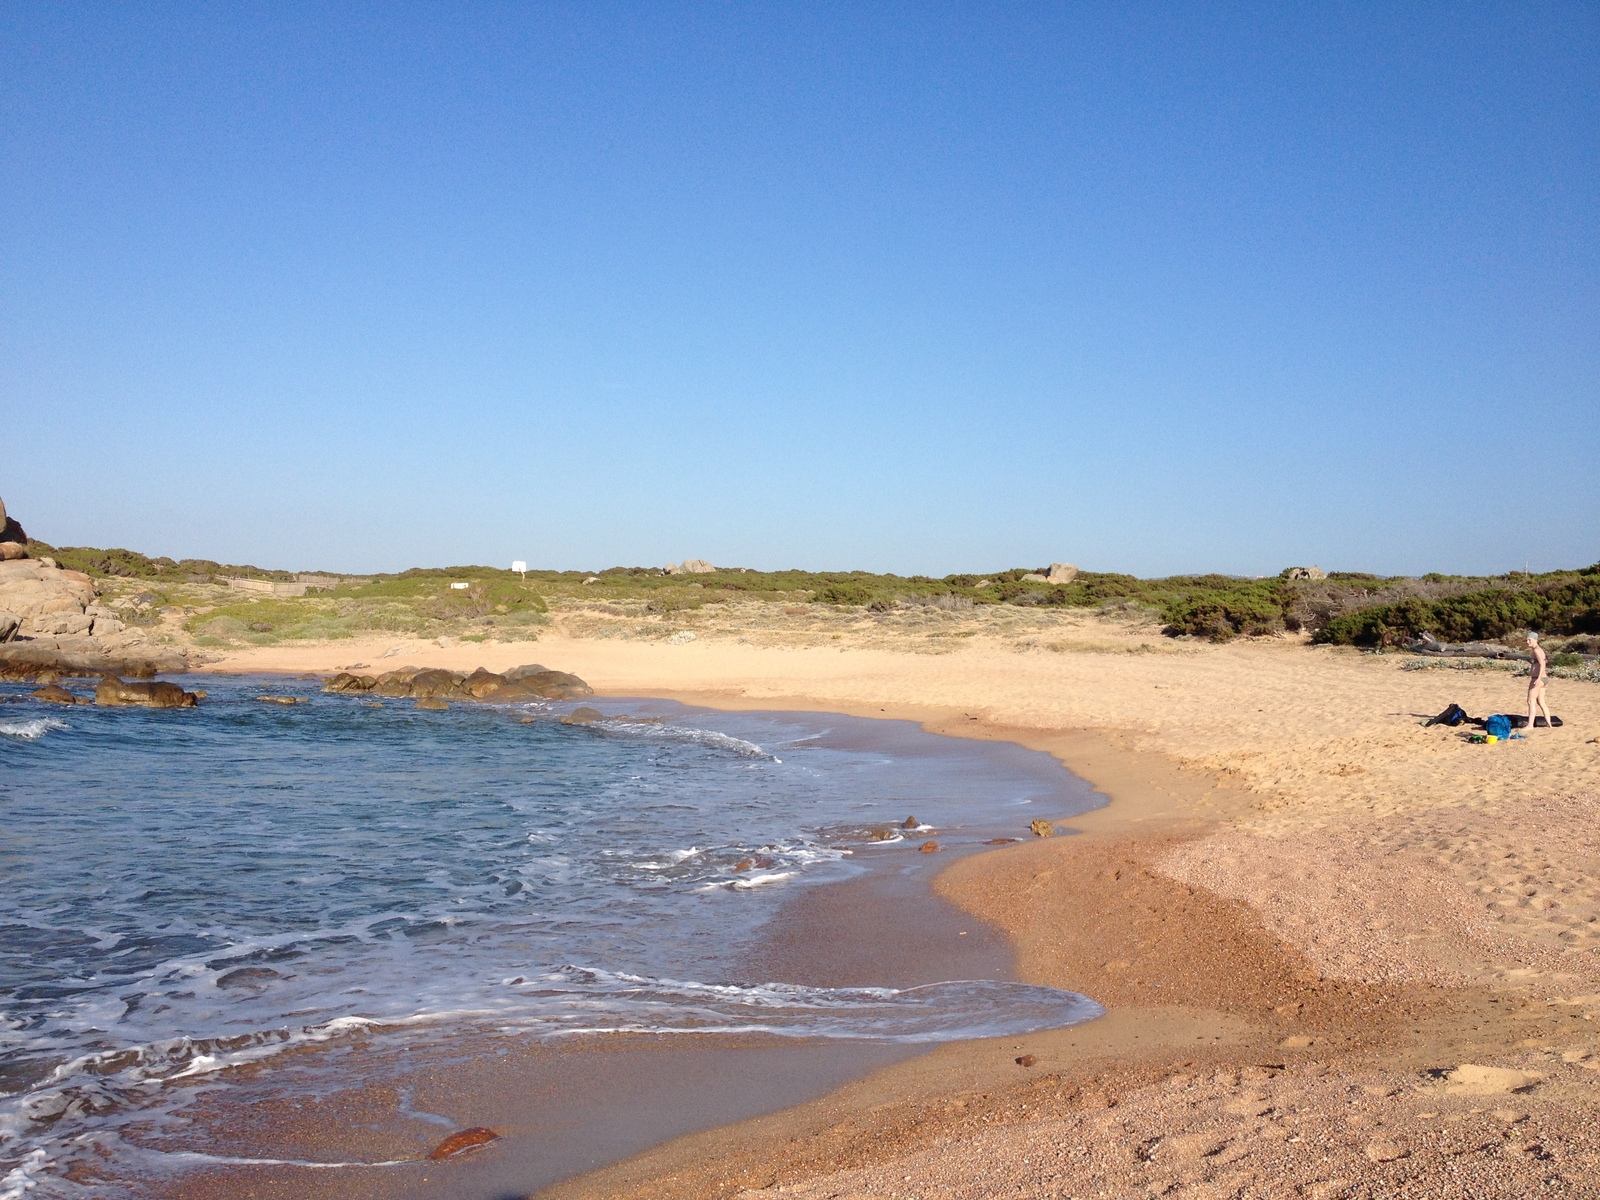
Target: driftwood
point(1431, 646)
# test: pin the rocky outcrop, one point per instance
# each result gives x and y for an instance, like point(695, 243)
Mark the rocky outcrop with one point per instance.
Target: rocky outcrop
point(42, 596)
point(51, 620)
point(29, 660)
point(1060, 573)
point(431, 684)
point(690, 566)
point(13, 540)
point(1305, 573)
point(520, 684)
point(118, 693)
point(544, 685)
point(481, 682)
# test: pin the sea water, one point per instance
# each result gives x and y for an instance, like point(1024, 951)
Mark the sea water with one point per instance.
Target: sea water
point(183, 892)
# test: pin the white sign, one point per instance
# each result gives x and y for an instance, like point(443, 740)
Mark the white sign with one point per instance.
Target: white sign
point(521, 568)
point(460, 587)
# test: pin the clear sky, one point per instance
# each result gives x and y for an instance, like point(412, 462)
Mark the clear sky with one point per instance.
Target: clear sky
point(925, 288)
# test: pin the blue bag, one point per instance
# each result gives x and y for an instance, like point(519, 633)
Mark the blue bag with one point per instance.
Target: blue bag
point(1498, 726)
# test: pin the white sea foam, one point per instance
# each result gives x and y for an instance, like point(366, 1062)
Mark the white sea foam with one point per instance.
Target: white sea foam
point(746, 882)
point(32, 730)
point(709, 738)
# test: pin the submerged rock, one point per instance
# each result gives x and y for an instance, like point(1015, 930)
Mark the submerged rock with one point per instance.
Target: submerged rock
point(929, 848)
point(583, 715)
point(247, 977)
point(116, 693)
point(432, 704)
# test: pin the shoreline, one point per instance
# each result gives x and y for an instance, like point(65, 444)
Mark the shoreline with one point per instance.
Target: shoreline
point(1285, 797)
point(644, 1090)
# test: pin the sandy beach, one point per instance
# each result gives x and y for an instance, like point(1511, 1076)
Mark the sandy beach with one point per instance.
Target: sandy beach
point(1342, 954)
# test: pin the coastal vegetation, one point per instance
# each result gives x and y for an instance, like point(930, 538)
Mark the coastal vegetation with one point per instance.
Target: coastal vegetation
point(1341, 608)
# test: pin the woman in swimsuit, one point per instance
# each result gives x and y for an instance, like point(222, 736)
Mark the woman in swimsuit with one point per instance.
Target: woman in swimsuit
point(1537, 681)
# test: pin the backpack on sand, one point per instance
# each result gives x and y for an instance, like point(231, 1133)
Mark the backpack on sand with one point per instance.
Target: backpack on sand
point(1453, 715)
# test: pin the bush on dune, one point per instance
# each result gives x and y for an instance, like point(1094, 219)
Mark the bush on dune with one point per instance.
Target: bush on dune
point(1561, 603)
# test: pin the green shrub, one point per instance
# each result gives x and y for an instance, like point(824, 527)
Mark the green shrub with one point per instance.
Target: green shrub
point(1221, 609)
point(846, 593)
point(1560, 603)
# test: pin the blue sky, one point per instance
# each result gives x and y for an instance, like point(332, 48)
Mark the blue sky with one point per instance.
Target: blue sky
point(926, 288)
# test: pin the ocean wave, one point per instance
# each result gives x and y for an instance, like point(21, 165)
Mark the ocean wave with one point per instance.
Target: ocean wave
point(952, 1010)
point(709, 738)
point(712, 868)
point(32, 730)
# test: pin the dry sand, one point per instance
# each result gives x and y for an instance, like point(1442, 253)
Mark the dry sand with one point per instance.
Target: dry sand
point(1303, 910)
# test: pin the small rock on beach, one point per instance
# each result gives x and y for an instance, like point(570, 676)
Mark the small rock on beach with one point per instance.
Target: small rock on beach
point(462, 1141)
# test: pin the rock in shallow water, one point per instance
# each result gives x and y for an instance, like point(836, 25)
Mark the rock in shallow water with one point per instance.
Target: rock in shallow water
point(115, 693)
point(54, 693)
point(1042, 828)
point(518, 685)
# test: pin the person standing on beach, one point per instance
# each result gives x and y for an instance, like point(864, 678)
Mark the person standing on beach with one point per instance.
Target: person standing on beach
point(1537, 681)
